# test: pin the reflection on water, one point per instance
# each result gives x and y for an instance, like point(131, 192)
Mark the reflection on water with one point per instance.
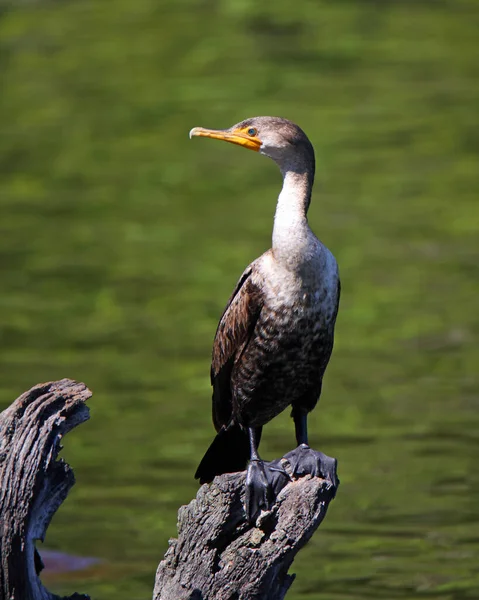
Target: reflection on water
point(121, 241)
point(59, 562)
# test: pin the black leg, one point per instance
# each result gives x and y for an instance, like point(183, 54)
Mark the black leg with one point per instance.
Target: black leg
point(264, 481)
point(301, 426)
point(258, 491)
point(253, 435)
point(304, 460)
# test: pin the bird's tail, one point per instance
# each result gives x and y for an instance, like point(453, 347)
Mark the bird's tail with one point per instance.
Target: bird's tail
point(229, 452)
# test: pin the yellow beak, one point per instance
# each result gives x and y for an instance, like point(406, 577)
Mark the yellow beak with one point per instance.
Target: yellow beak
point(234, 137)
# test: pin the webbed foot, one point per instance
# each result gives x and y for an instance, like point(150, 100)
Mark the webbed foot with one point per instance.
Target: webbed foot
point(306, 461)
point(264, 481)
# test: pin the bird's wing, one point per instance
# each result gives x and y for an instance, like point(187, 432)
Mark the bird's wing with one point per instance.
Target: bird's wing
point(232, 336)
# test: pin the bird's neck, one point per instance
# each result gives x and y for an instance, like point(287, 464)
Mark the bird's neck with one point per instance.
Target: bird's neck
point(292, 236)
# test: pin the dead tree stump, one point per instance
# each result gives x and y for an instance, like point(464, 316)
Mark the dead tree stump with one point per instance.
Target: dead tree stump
point(217, 556)
point(33, 483)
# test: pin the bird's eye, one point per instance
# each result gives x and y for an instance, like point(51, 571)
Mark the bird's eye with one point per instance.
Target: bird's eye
point(252, 131)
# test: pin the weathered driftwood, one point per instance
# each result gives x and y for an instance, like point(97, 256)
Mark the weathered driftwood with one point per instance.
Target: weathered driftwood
point(33, 483)
point(217, 555)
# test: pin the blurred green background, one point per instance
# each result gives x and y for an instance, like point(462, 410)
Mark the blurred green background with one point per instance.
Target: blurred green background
point(121, 240)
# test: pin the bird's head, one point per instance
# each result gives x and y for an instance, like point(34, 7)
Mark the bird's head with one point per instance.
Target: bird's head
point(278, 138)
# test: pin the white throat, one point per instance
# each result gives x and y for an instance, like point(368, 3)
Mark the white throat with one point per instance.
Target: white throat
point(293, 240)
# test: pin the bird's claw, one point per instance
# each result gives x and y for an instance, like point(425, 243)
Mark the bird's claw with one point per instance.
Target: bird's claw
point(264, 481)
point(277, 476)
point(306, 461)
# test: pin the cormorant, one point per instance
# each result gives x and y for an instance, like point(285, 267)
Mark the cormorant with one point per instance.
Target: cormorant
point(275, 337)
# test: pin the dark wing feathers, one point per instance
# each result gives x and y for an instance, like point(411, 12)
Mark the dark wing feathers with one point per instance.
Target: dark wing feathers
point(234, 331)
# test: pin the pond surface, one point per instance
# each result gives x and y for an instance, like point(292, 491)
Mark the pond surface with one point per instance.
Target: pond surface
point(121, 240)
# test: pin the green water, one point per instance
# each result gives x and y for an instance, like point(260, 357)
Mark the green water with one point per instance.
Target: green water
point(120, 241)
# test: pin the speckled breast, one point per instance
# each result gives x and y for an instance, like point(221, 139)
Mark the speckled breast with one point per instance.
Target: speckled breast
point(285, 361)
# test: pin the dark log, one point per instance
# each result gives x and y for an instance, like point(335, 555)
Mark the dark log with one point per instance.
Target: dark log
point(33, 483)
point(219, 556)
